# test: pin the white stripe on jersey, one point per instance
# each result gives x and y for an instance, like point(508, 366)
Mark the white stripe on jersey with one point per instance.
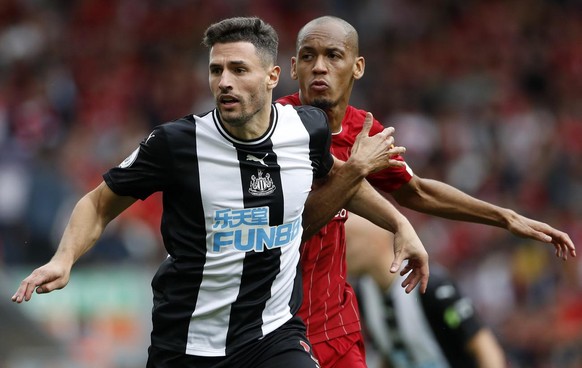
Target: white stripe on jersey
point(288, 156)
point(413, 327)
point(210, 320)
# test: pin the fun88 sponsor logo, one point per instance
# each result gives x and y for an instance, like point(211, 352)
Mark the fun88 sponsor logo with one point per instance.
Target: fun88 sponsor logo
point(248, 229)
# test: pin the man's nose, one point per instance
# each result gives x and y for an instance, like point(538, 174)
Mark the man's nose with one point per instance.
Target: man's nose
point(225, 81)
point(319, 66)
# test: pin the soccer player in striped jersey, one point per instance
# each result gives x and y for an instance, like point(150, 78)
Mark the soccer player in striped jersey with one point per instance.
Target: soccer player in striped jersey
point(327, 64)
point(438, 328)
point(235, 181)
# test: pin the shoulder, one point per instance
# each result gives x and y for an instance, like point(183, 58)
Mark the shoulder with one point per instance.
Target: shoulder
point(311, 112)
point(312, 117)
point(186, 125)
point(290, 100)
point(355, 117)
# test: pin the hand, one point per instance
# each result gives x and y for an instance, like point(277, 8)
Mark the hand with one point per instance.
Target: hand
point(53, 275)
point(377, 152)
point(407, 246)
point(528, 228)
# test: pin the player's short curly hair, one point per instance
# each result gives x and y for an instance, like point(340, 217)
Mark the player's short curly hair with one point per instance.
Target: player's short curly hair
point(247, 29)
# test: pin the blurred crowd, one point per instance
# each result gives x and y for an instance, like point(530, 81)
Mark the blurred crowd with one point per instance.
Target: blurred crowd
point(485, 95)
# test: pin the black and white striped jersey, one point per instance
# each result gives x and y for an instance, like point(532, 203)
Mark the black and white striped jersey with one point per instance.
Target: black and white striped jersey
point(421, 330)
point(231, 224)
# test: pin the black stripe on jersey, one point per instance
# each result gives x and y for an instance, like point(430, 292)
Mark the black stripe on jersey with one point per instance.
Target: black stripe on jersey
point(254, 273)
point(435, 307)
point(297, 293)
point(261, 176)
point(261, 185)
point(309, 114)
point(182, 213)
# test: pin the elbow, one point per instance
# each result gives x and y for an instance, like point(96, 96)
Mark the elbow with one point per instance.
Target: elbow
point(410, 195)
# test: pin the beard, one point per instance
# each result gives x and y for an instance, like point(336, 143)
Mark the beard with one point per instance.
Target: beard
point(235, 120)
point(248, 111)
point(323, 103)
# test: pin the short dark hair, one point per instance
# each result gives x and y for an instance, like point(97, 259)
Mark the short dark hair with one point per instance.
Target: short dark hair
point(247, 29)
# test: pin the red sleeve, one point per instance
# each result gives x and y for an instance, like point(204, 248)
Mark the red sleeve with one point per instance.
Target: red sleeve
point(392, 178)
point(290, 100)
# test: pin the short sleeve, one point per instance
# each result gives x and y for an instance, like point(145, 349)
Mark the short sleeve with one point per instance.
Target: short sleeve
point(448, 310)
point(145, 170)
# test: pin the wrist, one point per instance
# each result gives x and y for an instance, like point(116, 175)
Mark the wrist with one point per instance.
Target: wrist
point(357, 168)
point(399, 223)
point(506, 217)
point(65, 259)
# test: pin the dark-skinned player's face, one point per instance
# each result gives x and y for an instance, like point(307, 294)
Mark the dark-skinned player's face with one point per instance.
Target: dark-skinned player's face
point(326, 65)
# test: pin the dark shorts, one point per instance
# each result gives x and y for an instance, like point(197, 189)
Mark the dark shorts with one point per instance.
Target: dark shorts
point(286, 347)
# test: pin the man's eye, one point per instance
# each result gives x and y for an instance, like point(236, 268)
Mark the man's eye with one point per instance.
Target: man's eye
point(306, 57)
point(240, 70)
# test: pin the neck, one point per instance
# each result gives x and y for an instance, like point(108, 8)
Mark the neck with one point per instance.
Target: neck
point(335, 116)
point(253, 128)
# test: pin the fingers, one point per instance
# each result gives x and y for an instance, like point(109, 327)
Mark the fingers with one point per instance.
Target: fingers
point(414, 279)
point(561, 241)
point(396, 150)
point(49, 286)
point(396, 163)
point(410, 282)
point(563, 249)
point(367, 124)
point(418, 276)
point(544, 233)
point(424, 276)
point(25, 290)
point(42, 280)
point(397, 262)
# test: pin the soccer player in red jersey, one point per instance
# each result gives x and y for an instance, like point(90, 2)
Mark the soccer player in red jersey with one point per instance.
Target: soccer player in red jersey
point(235, 180)
point(326, 64)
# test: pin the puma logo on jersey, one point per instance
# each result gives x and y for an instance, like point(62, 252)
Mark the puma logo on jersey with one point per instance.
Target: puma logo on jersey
point(259, 160)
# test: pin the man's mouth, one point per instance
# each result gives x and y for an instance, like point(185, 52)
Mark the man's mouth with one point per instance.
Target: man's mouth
point(319, 85)
point(228, 100)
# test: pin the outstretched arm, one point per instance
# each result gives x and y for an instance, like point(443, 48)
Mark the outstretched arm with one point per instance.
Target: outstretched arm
point(88, 220)
point(440, 199)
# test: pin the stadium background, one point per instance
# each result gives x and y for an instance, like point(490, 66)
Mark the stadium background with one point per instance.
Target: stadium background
point(486, 95)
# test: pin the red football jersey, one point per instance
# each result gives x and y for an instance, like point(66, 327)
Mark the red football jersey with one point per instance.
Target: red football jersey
point(329, 306)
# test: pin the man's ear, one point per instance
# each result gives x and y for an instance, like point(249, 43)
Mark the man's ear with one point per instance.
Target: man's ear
point(293, 68)
point(273, 77)
point(359, 67)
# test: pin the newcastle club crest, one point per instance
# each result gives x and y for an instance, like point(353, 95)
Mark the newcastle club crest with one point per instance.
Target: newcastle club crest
point(261, 185)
